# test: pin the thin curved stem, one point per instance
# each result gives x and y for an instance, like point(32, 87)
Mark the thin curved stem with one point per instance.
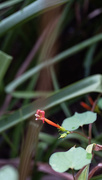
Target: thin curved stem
point(73, 174)
point(81, 134)
point(90, 125)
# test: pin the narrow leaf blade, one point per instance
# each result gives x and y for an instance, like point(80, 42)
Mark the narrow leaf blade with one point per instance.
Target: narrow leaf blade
point(90, 84)
point(84, 174)
point(5, 61)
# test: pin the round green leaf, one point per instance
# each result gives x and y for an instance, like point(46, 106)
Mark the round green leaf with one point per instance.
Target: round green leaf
point(75, 158)
point(78, 119)
point(8, 173)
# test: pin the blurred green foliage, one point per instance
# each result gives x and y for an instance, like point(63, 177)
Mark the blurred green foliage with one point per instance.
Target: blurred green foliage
point(52, 45)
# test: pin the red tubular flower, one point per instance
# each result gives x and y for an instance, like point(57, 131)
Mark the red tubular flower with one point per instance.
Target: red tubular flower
point(40, 115)
point(52, 123)
point(85, 106)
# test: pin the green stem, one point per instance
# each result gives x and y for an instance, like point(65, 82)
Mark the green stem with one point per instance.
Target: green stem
point(73, 174)
point(90, 125)
point(6, 138)
point(83, 130)
point(90, 133)
point(80, 134)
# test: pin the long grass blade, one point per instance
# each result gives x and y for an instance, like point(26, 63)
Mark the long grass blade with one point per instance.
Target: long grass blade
point(87, 85)
point(10, 87)
point(9, 4)
point(28, 13)
point(5, 61)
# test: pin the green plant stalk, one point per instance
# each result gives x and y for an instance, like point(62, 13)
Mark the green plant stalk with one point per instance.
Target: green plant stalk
point(73, 174)
point(48, 46)
point(29, 148)
point(90, 125)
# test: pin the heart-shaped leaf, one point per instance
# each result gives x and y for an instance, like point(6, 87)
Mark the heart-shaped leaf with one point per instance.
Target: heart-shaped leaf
point(79, 119)
point(75, 158)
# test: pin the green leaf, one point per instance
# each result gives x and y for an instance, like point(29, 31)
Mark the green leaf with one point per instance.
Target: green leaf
point(99, 177)
point(79, 119)
point(89, 59)
point(99, 103)
point(30, 94)
point(56, 87)
point(90, 84)
point(75, 158)
point(5, 61)
point(8, 173)
point(84, 174)
point(28, 13)
point(71, 51)
point(90, 148)
point(9, 3)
